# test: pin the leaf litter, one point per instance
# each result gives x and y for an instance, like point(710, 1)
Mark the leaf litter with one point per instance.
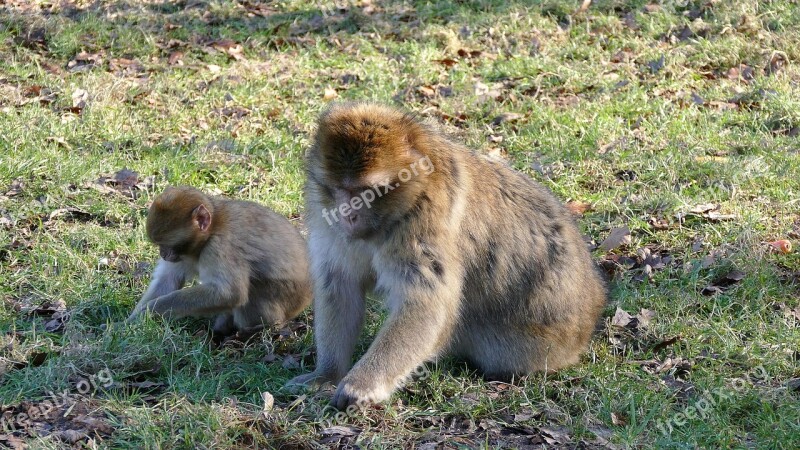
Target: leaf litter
point(73, 420)
point(124, 182)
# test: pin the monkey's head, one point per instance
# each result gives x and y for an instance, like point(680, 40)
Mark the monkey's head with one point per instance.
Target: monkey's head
point(179, 222)
point(365, 167)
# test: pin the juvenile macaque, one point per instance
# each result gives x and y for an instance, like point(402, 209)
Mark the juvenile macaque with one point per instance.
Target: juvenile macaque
point(252, 264)
point(473, 258)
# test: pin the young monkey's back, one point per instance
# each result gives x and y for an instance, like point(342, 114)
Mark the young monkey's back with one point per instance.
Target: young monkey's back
point(280, 286)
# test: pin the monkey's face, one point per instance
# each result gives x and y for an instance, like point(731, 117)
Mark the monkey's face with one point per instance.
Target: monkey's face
point(173, 248)
point(360, 210)
point(168, 253)
point(364, 171)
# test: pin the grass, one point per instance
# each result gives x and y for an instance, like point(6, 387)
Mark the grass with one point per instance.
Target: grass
point(643, 113)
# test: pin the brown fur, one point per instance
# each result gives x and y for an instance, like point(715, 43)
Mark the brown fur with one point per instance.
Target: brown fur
point(474, 259)
point(251, 262)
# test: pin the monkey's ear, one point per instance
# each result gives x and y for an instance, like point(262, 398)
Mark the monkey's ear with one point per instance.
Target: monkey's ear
point(202, 217)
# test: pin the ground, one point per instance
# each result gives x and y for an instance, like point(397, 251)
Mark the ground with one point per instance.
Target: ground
point(671, 129)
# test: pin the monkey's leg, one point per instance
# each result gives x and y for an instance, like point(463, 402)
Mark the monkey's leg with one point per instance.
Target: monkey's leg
point(338, 318)
point(416, 331)
point(267, 305)
point(167, 277)
point(223, 324)
point(264, 313)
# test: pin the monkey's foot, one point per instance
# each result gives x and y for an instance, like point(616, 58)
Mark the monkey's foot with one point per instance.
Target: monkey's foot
point(360, 393)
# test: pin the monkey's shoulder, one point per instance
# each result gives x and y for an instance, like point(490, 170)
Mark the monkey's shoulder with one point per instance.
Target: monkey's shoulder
point(246, 215)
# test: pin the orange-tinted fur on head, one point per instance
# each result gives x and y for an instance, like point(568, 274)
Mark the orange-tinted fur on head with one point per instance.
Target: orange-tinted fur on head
point(354, 146)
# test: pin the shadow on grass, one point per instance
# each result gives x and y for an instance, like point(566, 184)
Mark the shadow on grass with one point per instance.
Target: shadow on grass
point(64, 29)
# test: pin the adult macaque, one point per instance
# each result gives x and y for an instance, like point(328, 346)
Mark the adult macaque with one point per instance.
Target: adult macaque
point(473, 258)
point(252, 264)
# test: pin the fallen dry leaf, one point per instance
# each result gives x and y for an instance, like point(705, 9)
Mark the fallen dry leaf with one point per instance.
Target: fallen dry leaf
point(15, 188)
point(94, 424)
point(85, 61)
point(703, 208)
point(666, 343)
point(269, 401)
point(70, 436)
point(485, 92)
point(708, 211)
point(447, 62)
point(555, 436)
point(57, 322)
point(175, 58)
point(723, 106)
point(229, 47)
point(678, 365)
point(13, 442)
point(775, 64)
point(619, 419)
point(464, 53)
point(622, 319)
point(70, 213)
point(330, 94)
point(49, 308)
point(341, 430)
point(617, 237)
point(782, 245)
point(506, 117)
point(426, 91)
point(126, 67)
point(723, 283)
point(125, 182)
point(578, 207)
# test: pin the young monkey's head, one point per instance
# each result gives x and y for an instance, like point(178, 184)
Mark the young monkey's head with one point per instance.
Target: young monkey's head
point(179, 222)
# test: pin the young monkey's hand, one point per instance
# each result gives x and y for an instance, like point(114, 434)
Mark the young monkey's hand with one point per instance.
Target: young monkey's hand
point(140, 309)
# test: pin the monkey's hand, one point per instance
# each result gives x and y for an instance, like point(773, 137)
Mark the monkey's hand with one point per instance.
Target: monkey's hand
point(355, 390)
point(139, 310)
point(156, 306)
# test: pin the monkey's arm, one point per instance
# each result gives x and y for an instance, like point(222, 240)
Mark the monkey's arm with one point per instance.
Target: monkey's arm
point(338, 318)
point(198, 300)
point(423, 312)
point(167, 277)
point(224, 284)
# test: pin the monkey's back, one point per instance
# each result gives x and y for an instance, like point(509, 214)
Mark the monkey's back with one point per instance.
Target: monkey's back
point(530, 272)
point(276, 248)
point(276, 255)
